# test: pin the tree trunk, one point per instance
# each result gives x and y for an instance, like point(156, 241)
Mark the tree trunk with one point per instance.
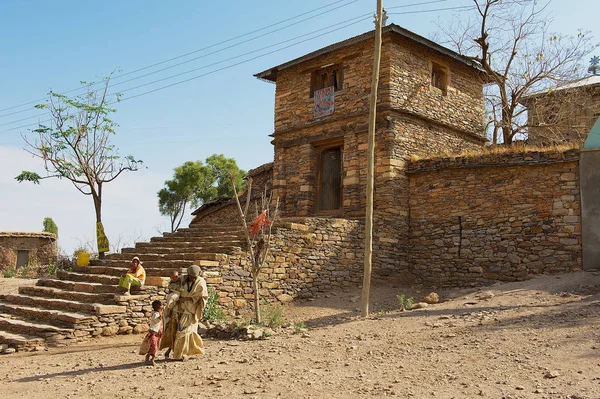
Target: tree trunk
point(98, 208)
point(256, 298)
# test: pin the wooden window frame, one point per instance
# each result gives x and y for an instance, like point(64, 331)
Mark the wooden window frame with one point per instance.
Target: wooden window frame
point(444, 81)
point(319, 149)
point(337, 81)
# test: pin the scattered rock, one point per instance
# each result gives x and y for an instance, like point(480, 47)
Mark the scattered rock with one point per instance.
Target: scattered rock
point(285, 298)
point(420, 305)
point(485, 295)
point(432, 298)
point(8, 351)
point(551, 374)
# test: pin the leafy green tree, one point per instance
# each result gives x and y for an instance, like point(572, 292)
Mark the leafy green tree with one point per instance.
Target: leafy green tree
point(76, 146)
point(195, 183)
point(50, 226)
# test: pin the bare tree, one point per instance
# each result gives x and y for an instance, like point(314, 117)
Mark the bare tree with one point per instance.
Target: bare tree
point(512, 41)
point(76, 146)
point(258, 234)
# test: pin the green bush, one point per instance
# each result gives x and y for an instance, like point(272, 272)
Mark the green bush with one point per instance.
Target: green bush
point(8, 273)
point(298, 327)
point(405, 303)
point(272, 315)
point(212, 311)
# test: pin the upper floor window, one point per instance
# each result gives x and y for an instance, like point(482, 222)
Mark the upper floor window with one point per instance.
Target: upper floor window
point(439, 76)
point(326, 77)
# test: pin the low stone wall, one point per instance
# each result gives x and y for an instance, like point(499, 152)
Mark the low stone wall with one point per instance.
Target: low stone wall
point(308, 255)
point(494, 217)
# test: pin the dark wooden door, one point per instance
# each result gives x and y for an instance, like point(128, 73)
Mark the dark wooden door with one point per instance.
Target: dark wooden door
point(331, 179)
point(22, 258)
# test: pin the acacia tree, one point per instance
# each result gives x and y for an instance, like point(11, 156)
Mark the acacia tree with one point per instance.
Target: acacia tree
point(258, 233)
point(76, 146)
point(512, 42)
point(195, 183)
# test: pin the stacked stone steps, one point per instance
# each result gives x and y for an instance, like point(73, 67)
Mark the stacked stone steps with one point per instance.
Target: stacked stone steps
point(125, 256)
point(187, 246)
point(14, 324)
point(85, 297)
point(152, 267)
point(78, 286)
point(20, 341)
point(49, 316)
point(61, 304)
point(88, 278)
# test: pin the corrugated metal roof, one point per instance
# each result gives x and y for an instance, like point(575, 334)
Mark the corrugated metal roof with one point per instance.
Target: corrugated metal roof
point(271, 73)
point(589, 81)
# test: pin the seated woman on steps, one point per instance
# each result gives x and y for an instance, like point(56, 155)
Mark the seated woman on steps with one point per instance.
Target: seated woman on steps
point(136, 275)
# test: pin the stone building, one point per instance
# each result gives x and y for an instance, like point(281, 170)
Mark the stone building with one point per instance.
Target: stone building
point(430, 101)
point(19, 249)
point(564, 114)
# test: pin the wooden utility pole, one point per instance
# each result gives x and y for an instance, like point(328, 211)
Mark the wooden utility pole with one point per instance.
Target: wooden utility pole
point(370, 162)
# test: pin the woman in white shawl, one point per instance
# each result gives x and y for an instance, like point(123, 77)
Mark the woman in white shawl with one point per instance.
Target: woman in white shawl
point(180, 333)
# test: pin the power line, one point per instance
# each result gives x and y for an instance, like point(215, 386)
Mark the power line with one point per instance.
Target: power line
point(204, 48)
point(464, 8)
point(199, 68)
point(214, 52)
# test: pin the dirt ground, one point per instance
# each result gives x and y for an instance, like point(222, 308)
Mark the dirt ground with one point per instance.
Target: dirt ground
point(533, 339)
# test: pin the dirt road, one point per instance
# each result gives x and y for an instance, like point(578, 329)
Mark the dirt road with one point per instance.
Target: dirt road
point(534, 339)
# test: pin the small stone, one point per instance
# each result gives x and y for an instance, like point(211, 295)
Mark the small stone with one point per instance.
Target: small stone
point(420, 305)
point(432, 298)
point(551, 374)
point(520, 388)
point(8, 351)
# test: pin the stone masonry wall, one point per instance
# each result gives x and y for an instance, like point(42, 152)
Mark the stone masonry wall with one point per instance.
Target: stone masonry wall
point(499, 217)
point(407, 68)
point(41, 246)
point(563, 115)
point(307, 256)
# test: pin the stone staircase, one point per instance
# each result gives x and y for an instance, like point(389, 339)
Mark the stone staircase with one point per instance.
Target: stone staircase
point(86, 302)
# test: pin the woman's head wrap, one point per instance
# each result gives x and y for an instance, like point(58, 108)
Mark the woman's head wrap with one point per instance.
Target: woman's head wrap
point(136, 258)
point(194, 271)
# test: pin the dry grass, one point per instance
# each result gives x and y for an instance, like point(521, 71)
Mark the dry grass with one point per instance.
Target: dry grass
point(496, 150)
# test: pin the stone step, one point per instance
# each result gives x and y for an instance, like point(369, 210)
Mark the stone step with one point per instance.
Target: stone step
point(214, 227)
point(162, 271)
point(15, 325)
point(152, 267)
point(63, 304)
point(176, 247)
point(78, 286)
point(50, 316)
point(20, 341)
point(50, 292)
point(146, 256)
point(88, 278)
point(202, 240)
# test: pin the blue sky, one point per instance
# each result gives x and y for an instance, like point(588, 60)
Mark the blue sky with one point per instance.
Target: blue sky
point(54, 45)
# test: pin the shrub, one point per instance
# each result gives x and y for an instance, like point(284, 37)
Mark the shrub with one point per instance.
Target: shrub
point(405, 303)
point(298, 327)
point(212, 311)
point(10, 272)
point(272, 315)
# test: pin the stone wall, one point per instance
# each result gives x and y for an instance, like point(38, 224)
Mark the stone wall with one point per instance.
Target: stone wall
point(562, 115)
point(307, 256)
point(496, 217)
point(41, 246)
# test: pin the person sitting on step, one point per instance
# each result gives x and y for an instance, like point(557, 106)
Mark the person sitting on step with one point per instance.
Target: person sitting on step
point(136, 275)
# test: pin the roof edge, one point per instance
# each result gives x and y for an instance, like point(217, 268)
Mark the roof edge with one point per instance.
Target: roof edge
point(270, 74)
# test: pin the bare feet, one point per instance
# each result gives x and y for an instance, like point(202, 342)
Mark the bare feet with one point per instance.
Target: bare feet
point(168, 353)
point(147, 358)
